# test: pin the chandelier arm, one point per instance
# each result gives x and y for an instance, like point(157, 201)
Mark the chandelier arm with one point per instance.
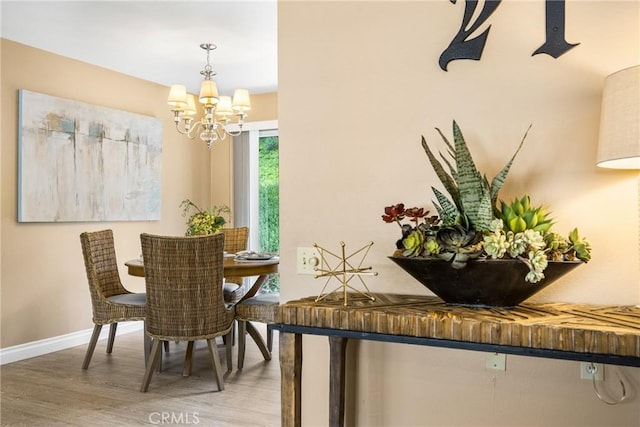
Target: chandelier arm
point(236, 133)
point(191, 133)
point(221, 131)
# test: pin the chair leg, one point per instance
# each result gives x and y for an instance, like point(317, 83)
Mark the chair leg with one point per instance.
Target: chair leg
point(229, 348)
point(156, 351)
point(233, 332)
point(92, 346)
point(269, 339)
point(188, 359)
point(233, 335)
point(112, 337)
point(257, 338)
point(215, 362)
point(242, 333)
point(147, 344)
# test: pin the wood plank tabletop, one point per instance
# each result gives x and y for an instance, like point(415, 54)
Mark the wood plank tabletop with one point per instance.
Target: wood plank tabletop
point(582, 328)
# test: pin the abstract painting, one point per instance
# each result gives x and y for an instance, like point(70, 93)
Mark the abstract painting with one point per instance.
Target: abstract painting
point(81, 162)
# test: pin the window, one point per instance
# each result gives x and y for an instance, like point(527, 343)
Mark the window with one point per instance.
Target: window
point(256, 188)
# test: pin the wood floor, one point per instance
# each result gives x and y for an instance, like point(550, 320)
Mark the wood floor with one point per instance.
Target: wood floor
point(53, 390)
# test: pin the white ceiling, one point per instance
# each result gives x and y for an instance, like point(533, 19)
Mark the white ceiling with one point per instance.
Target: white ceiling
point(157, 41)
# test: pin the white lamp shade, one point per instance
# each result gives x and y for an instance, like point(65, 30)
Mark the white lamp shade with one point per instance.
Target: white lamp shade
point(177, 96)
point(208, 92)
point(619, 143)
point(190, 109)
point(241, 101)
point(224, 106)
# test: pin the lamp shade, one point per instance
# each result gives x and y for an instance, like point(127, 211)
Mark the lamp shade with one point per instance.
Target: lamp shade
point(619, 142)
point(224, 106)
point(241, 101)
point(190, 109)
point(208, 92)
point(177, 96)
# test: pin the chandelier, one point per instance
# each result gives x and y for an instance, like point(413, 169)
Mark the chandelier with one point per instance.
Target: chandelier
point(218, 111)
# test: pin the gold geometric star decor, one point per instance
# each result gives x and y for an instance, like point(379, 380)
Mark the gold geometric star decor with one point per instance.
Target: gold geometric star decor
point(344, 271)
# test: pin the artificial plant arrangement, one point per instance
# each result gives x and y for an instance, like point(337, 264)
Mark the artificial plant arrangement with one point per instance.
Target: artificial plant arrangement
point(472, 224)
point(204, 221)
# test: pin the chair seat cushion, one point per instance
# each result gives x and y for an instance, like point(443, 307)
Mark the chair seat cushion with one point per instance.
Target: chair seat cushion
point(233, 292)
point(139, 299)
point(261, 308)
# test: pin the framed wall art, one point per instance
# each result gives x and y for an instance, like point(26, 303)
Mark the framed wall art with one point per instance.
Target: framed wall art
point(81, 162)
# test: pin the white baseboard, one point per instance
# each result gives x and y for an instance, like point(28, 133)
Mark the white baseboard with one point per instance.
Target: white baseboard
point(62, 342)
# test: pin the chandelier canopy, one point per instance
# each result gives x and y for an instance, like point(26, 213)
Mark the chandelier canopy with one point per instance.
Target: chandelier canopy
point(218, 111)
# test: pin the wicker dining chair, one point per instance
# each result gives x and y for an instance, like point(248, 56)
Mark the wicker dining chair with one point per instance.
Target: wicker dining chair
point(111, 302)
point(260, 308)
point(183, 277)
point(235, 240)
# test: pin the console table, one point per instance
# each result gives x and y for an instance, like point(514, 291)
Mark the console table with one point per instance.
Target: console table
point(581, 332)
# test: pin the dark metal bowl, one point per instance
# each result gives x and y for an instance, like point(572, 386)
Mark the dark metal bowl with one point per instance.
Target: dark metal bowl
point(483, 282)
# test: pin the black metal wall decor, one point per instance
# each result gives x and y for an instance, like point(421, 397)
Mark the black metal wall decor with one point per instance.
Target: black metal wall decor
point(555, 43)
point(463, 47)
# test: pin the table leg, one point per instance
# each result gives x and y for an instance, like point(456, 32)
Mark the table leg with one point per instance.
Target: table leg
point(337, 357)
point(291, 379)
point(253, 290)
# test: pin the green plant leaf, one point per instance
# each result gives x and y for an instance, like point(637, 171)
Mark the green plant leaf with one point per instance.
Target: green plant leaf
point(469, 180)
point(447, 181)
point(452, 153)
point(446, 209)
point(499, 179)
point(485, 212)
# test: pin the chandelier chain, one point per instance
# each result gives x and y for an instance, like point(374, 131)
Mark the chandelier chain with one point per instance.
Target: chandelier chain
point(208, 72)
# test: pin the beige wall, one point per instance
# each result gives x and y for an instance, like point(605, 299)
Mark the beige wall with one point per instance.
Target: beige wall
point(43, 283)
point(359, 82)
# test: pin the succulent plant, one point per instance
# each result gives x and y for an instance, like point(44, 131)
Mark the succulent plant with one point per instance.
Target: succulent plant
point(472, 198)
point(458, 245)
point(580, 246)
point(470, 225)
point(413, 244)
point(520, 216)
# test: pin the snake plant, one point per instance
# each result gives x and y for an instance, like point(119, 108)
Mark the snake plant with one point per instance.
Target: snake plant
point(472, 199)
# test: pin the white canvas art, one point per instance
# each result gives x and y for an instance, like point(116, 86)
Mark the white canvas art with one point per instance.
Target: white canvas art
point(81, 162)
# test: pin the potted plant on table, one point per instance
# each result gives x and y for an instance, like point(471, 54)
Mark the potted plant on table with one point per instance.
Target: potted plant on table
point(476, 251)
point(204, 221)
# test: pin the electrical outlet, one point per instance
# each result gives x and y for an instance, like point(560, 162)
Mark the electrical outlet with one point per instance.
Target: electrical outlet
point(496, 361)
point(589, 370)
point(308, 260)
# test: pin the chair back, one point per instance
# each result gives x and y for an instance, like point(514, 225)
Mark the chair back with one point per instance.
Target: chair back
point(183, 276)
point(235, 240)
point(102, 274)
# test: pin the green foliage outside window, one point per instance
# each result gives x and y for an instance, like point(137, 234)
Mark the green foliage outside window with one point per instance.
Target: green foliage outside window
point(269, 203)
